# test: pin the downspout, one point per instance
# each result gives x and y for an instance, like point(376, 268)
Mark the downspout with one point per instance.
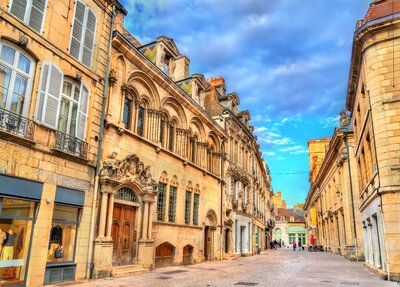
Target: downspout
point(351, 194)
point(99, 153)
point(222, 194)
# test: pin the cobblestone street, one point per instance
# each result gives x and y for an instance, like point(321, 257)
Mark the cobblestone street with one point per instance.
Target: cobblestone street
point(282, 267)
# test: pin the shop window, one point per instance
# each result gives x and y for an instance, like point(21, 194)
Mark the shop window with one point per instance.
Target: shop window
point(16, 77)
point(63, 234)
point(16, 221)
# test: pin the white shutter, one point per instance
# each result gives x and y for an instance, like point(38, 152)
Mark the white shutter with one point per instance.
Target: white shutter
point(90, 32)
point(37, 15)
point(82, 113)
point(18, 8)
point(77, 30)
point(49, 95)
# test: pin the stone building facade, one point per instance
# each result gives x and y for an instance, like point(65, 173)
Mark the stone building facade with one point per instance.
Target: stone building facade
point(52, 69)
point(247, 204)
point(374, 103)
point(332, 204)
point(289, 227)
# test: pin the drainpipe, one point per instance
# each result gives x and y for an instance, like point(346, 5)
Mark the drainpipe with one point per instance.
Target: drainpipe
point(351, 194)
point(222, 194)
point(99, 153)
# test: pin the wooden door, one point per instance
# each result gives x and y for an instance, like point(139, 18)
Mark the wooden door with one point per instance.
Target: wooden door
point(123, 234)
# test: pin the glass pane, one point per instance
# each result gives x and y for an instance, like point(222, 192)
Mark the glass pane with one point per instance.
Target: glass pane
point(62, 242)
point(24, 64)
point(67, 89)
point(65, 213)
point(63, 118)
point(17, 101)
point(5, 75)
point(72, 128)
point(76, 93)
point(15, 233)
point(7, 55)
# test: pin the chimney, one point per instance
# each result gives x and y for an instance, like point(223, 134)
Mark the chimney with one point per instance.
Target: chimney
point(181, 70)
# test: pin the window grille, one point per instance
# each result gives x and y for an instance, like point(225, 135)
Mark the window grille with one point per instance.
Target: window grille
point(172, 204)
point(126, 194)
point(161, 201)
point(196, 202)
point(127, 113)
point(140, 122)
point(188, 203)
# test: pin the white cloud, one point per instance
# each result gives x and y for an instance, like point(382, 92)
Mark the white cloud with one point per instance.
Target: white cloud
point(297, 149)
point(329, 122)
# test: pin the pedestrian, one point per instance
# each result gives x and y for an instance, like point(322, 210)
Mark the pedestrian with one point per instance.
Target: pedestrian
point(294, 246)
point(299, 245)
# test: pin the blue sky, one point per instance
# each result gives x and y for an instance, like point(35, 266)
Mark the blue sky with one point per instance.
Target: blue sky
point(288, 60)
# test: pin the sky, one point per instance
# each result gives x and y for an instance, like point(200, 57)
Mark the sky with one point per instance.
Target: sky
point(288, 61)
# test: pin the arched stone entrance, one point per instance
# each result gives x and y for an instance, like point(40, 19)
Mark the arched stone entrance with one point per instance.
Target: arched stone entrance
point(209, 230)
point(124, 226)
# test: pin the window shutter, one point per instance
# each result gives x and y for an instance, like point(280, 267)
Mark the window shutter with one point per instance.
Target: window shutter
point(49, 95)
point(82, 113)
point(77, 30)
point(18, 8)
point(90, 31)
point(37, 15)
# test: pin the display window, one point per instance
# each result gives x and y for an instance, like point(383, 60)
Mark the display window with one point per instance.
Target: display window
point(16, 222)
point(63, 234)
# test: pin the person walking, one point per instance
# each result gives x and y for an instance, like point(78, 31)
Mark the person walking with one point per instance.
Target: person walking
point(299, 245)
point(294, 246)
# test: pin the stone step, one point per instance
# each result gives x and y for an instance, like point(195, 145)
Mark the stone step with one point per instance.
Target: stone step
point(128, 270)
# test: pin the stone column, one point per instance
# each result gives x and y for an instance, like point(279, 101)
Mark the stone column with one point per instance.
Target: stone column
point(145, 218)
point(103, 214)
point(110, 215)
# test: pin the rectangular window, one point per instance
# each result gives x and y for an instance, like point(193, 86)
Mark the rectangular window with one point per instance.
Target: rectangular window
point(63, 234)
point(140, 121)
point(83, 34)
point(16, 221)
point(127, 113)
point(161, 201)
point(172, 204)
point(188, 203)
point(30, 12)
point(196, 202)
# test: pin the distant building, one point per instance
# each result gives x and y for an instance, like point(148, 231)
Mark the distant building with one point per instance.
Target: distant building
point(289, 227)
point(278, 201)
point(317, 149)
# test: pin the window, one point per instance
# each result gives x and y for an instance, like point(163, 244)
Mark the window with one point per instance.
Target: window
point(16, 77)
point(127, 116)
point(235, 185)
point(140, 121)
point(30, 12)
point(62, 104)
point(83, 34)
point(16, 221)
point(188, 203)
point(171, 138)
point(162, 127)
point(172, 204)
point(196, 202)
point(245, 194)
point(192, 150)
point(291, 219)
point(161, 201)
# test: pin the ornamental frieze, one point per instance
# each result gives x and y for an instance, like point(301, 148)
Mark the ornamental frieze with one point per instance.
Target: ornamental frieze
point(130, 169)
point(238, 174)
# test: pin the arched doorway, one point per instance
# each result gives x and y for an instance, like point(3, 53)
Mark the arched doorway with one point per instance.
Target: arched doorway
point(123, 231)
point(209, 228)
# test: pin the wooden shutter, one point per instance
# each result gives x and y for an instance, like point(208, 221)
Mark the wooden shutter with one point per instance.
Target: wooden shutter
point(18, 9)
point(48, 103)
point(90, 32)
point(77, 30)
point(37, 15)
point(82, 113)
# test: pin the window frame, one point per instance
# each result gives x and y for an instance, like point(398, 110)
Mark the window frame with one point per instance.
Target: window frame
point(27, 16)
point(15, 71)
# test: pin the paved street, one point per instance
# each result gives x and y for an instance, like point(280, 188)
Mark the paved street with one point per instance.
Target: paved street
point(272, 268)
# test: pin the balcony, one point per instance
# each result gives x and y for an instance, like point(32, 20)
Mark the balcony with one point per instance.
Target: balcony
point(16, 125)
point(71, 145)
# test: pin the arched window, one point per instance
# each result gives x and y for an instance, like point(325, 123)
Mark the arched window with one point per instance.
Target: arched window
point(171, 136)
point(162, 130)
point(192, 150)
point(16, 77)
point(126, 194)
point(127, 116)
point(140, 120)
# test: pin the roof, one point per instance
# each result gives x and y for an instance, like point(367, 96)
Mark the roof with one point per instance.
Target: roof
point(379, 9)
point(288, 213)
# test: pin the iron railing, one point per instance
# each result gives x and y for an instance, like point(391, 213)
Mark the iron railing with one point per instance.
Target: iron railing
point(16, 124)
point(71, 145)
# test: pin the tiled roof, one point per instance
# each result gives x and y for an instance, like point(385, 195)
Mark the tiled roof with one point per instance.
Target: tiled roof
point(379, 9)
point(287, 214)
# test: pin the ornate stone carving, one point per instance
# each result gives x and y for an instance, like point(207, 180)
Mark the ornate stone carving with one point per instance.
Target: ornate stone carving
point(112, 77)
point(23, 40)
point(344, 119)
point(128, 169)
point(238, 174)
